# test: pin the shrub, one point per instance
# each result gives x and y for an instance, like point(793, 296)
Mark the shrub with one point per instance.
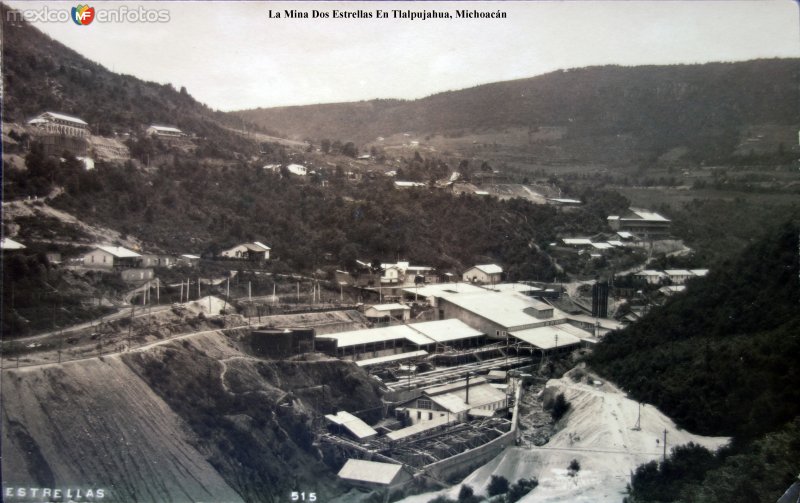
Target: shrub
point(520, 489)
point(560, 407)
point(573, 468)
point(498, 485)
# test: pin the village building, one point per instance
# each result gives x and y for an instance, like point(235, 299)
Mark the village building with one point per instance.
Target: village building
point(60, 124)
point(652, 277)
point(136, 274)
point(189, 260)
point(403, 273)
point(487, 273)
point(164, 131)
point(678, 276)
point(642, 223)
point(386, 313)
point(255, 251)
point(401, 184)
point(150, 260)
point(109, 257)
point(455, 401)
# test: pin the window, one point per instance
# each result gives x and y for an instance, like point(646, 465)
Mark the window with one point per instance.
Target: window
point(424, 404)
point(419, 415)
point(430, 415)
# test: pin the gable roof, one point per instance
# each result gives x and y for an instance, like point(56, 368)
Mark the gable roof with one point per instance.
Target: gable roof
point(63, 117)
point(354, 425)
point(10, 244)
point(370, 471)
point(118, 251)
point(488, 268)
point(166, 129)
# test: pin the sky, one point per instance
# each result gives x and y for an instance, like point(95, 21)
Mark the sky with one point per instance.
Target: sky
point(232, 55)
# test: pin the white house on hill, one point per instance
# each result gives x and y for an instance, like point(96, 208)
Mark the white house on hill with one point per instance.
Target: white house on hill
point(56, 123)
point(164, 131)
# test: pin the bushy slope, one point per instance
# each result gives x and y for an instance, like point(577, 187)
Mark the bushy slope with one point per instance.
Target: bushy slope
point(702, 107)
point(720, 359)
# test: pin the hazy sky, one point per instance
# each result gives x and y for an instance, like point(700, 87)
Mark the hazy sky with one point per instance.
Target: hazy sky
point(230, 55)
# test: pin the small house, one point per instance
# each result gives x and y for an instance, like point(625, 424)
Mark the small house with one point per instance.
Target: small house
point(255, 251)
point(164, 131)
point(487, 274)
point(111, 257)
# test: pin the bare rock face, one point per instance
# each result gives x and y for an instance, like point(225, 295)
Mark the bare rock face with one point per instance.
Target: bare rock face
point(191, 420)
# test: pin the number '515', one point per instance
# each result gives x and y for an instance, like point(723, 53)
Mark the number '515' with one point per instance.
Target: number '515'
point(296, 496)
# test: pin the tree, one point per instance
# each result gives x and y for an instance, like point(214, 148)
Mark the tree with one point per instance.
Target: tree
point(497, 485)
point(350, 149)
point(325, 145)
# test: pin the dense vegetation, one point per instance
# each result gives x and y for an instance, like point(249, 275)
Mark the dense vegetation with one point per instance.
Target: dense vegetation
point(188, 206)
point(720, 360)
point(661, 107)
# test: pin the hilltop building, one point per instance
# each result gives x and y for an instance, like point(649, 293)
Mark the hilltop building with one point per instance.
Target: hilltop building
point(61, 124)
point(642, 223)
point(164, 131)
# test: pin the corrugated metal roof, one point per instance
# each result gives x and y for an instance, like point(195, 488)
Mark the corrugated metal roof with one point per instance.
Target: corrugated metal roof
point(118, 251)
point(391, 358)
point(480, 395)
point(502, 308)
point(389, 307)
point(354, 425)
point(166, 129)
point(511, 287)
point(650, 216)
point(442, 289)
point(489, 268)
point(369, 471)
point(545, 337)
point(678, 272)
point(64, 117)
point(446, 330)
point(382, 334)
point(420, 427)
point(577, 241)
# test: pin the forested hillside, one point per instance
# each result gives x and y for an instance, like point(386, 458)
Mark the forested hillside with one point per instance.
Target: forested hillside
point(703, 108)
point(722, 360)
point(41, 74)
